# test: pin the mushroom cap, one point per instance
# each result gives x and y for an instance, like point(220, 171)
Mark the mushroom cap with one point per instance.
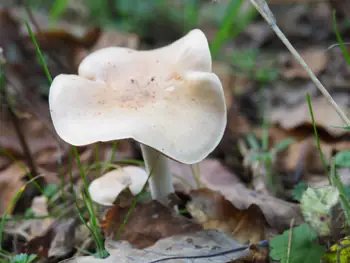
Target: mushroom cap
point(105, 189)
point(166, 98)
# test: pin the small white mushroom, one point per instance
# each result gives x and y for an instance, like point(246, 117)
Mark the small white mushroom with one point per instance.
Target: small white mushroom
point(167, 99)
point(105, 189)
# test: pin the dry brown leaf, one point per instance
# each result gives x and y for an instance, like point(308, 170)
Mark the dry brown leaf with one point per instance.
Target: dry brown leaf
point(305, 152)
point(11, 181)
point(215, 176)
point(325, 115)
point(148, 223)
point(63, 242)
point(315, 58)
point(38, 138)
point(39, 226)
point(342, 7)
point(199, 247)
point(56, 242)
point(213, 211)
point(39, 245)
point(79, 31)
point(305, 155)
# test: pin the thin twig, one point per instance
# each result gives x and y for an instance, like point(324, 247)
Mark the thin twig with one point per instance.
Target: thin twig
point(336, 45)
point(32, 108)
point(40, 33)
point(264, 10)
point(21, 138)
point(16, 124)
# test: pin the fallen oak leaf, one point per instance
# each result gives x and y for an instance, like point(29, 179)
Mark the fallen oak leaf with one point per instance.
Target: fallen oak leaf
point(200, 247)
point(213, 175)
point(148, 223)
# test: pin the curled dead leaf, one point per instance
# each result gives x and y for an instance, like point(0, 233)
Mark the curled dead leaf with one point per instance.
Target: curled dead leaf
point(213, 211)
point(325, 115)
point(213, 175)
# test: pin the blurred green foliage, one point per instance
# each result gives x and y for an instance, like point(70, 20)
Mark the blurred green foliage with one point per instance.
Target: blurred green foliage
point(23, 258)
point(158, 22)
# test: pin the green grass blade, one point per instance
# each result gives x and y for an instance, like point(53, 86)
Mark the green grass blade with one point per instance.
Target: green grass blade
point(130, 161)
point(340, 39)
point(95, 230)
point(191, 14)
point(347, 128)
point(35, 183)
point(89, 204)
point(101, 165)
point(284, 144)
point(265, 136)
point(4, 152)
point(49, 78)
point(344, 201)
point(93, 218)
point(75, 198)
point(133, 205)
point(253, 142)
point(316, 136)
point(57, 10)
point(111, 160)
point(97, 155)
point(224, 31)
point(3, 220)
point(38, 51)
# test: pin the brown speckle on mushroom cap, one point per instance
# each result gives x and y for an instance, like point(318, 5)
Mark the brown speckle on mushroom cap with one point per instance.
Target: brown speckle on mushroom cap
point(166, 98)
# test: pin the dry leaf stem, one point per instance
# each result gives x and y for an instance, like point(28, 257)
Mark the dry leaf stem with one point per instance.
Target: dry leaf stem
point(264, 10)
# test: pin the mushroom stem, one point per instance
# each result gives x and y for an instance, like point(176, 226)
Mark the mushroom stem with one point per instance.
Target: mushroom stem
point(161, 184)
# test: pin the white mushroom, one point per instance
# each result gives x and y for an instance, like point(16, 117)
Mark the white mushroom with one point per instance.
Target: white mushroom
point(167, 99)
point(105, 189)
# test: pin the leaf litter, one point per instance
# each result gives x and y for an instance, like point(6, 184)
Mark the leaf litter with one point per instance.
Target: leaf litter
point(202, 246)
point(218, 193)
